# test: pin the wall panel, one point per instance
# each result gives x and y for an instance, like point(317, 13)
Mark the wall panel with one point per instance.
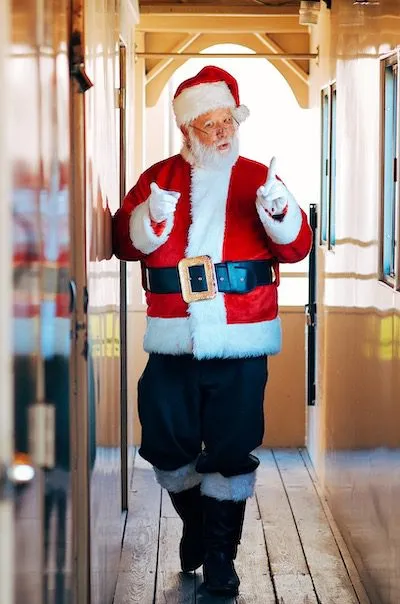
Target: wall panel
point(356, 448)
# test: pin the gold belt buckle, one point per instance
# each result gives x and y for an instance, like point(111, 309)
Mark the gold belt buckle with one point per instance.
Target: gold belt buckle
point(184, 276)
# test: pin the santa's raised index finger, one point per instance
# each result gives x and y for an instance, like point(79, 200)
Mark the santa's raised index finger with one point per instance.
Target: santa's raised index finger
point(272, 169)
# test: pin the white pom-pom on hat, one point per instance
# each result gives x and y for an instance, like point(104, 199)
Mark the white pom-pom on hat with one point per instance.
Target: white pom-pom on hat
point(241, 113)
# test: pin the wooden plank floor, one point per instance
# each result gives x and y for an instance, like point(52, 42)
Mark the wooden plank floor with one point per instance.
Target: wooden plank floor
point(291, 551)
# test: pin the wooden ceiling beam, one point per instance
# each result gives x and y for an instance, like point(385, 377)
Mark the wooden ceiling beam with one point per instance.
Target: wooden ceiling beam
point(269, 24)
point(163, 64)
point(276, 49)
point(250, 41)
point(215, 9)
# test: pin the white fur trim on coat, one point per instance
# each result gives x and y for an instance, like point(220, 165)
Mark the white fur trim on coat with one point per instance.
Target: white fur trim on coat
point(215, 341)
point(178, 480)
point(237, 340)
point(141, 232)
point(168, 336)
point(196, 100)
point(206, 237)
point(287, 230)
point(233, 488)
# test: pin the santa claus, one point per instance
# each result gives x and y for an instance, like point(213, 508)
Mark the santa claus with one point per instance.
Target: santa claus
point(210, 228)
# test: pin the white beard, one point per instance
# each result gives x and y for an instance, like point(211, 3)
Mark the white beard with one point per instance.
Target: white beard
point(210, 158)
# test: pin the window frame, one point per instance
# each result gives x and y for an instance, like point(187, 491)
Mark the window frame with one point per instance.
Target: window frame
point(332, 166)
point(324, 185)
point(327, 221)
point(391, 280)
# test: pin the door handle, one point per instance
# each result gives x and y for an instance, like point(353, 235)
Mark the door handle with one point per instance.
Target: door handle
point(85, 300)
point(72, 296)
point(310, 315)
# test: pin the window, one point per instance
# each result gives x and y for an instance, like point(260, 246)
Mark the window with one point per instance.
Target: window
point(324, 166)
point(332, 179)
point(328, 167)
point(389, 269)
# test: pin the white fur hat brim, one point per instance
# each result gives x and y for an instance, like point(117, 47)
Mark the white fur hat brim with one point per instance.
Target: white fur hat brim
point(200, 99)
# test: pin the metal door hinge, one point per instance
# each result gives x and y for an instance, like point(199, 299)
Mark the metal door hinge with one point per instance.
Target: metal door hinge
point(42, 434)
point(120, 98)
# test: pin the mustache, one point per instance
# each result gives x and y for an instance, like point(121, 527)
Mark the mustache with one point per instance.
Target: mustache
point(212, 156)
point(223, 141)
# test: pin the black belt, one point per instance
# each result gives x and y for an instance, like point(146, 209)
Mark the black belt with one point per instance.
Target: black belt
point(238, 277)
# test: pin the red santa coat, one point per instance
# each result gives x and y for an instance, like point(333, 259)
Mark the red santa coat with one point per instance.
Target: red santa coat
point(216, 215)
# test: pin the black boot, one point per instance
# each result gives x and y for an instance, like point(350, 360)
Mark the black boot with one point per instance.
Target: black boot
point(222, 532)
point(239, 526)
point(188, 504)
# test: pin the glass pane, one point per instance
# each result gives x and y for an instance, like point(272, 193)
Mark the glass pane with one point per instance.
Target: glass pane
point(332, 211)
point(390, 134)
point(324, 168)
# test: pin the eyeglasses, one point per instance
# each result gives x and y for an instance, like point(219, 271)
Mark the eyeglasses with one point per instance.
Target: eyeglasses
point(211, 127)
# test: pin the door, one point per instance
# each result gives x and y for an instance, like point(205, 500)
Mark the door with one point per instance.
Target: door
point(6, 411)
point(95, 152)
point(38, 84)
point(126, 418)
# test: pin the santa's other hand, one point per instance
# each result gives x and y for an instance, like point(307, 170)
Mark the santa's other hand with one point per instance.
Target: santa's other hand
point(162, 203)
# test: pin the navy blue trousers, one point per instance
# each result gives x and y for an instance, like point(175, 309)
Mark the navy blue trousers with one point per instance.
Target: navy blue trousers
point(209, 410)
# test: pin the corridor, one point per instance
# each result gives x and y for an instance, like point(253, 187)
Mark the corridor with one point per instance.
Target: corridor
point(291, 552)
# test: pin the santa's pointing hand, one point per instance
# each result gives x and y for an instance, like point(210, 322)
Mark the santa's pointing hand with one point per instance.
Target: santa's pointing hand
point(273, 195)
point(162, 204)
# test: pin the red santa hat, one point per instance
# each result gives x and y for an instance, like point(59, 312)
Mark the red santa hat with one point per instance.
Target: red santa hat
point(212, 88)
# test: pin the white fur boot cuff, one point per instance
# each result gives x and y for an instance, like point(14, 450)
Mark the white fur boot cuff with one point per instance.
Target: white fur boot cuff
point(178, 480)
point(233, 488)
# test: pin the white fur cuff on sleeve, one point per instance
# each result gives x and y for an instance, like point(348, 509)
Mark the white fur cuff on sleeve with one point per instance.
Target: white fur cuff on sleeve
point(141, 232)
point(285, 231)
